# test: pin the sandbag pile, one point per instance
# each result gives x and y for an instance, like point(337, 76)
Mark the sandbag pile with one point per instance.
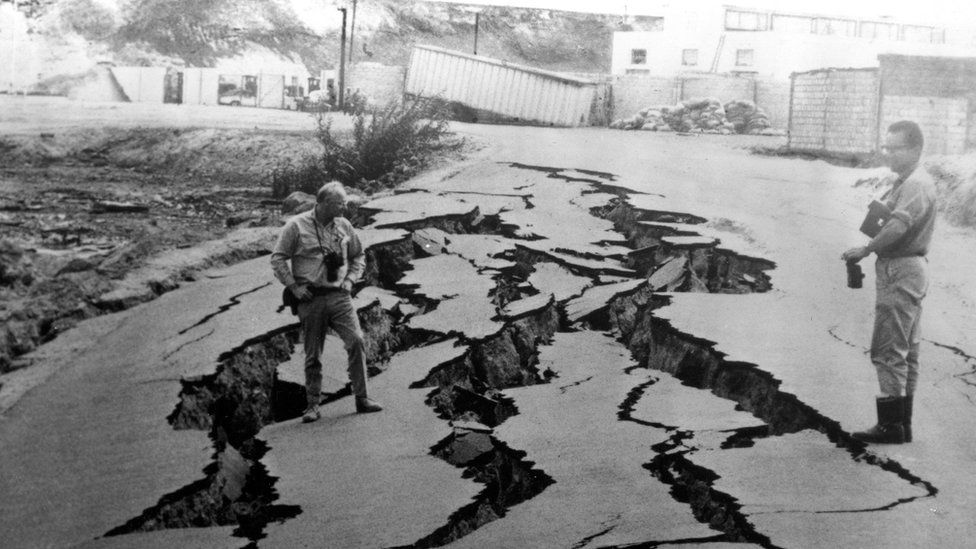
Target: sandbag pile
point(746, 117)
point(706, 115)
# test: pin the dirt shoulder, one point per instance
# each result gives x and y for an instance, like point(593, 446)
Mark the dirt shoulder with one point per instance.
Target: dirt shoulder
point(106, 205)
point(82, 210)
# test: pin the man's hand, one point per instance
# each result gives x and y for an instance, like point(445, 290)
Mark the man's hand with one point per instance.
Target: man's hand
point(856, 254)
point(300, 291)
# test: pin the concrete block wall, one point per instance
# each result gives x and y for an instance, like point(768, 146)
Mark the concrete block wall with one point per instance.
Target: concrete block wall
point(937, 92)
point(723, 89)
point(943, 120)
point(634, 93)
point(806, 127)
point(852, 112)
point(927, 76)
point(379, 83)
point(773, 96)
point(835, 111)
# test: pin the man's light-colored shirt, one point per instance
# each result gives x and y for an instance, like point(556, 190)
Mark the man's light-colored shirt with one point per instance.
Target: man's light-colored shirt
point(299, 244)
point(912, 201)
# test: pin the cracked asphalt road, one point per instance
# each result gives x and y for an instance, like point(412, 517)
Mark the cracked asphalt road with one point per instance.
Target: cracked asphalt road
point(90, 448)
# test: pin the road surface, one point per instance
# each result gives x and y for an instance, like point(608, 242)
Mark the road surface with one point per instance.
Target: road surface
point(630, 413)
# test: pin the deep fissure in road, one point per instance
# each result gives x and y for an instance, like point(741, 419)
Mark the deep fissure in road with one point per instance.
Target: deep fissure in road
point(656, 345)
point(244, 394)
point(467, 392)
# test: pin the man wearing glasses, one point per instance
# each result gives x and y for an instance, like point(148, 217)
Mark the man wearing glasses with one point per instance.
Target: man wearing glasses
point(900, 245)
point(325, 258)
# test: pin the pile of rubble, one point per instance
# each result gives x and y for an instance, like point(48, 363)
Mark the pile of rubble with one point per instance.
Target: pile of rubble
point(707, 115)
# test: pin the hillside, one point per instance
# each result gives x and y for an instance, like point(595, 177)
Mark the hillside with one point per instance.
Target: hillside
point(71, 36)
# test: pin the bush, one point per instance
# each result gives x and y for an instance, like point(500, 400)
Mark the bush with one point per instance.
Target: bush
point(386, 147)
point(306, 177)
point(88, 18)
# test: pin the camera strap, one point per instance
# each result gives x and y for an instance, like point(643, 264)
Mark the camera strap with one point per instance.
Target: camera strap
point(319, 238)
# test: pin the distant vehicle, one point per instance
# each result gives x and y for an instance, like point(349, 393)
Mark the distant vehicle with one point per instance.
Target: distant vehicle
point(236, 97)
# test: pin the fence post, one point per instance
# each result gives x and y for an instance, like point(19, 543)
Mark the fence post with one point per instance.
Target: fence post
point(880, 92)
point(789, 116)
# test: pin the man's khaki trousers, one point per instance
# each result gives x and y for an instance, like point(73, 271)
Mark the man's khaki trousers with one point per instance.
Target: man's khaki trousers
point(333, 310)
point(901, 286)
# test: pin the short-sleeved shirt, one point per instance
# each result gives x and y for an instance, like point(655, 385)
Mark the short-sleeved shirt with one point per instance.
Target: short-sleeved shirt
point(912, 201)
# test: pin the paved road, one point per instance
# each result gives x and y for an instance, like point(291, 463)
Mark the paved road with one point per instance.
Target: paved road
point(91, 448)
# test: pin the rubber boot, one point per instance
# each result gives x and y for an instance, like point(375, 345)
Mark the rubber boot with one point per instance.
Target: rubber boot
point(906, 419)
point(889, 429)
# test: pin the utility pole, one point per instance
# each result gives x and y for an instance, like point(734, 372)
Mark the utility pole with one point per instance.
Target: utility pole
point(342, 62)
point(477, 18)
point(352, 31)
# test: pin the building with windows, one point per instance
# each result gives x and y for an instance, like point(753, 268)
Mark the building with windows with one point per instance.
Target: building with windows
point(773, 44)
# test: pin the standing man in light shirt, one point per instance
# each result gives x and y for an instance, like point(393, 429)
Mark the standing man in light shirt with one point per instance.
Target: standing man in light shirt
point(901, 246)
point(318, 257)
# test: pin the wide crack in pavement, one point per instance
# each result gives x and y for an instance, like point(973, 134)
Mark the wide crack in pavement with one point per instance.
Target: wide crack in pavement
point(532, 284)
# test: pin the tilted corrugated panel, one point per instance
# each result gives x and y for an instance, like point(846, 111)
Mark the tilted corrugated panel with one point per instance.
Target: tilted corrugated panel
point(512, 91)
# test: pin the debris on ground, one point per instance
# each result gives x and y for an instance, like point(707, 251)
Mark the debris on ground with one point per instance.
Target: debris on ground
point(704, 115)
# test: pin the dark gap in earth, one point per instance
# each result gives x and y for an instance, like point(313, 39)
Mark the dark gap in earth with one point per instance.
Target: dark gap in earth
point(668, 542)
point(656, 345)
point(690, 483)
point(508, 479)
point(244, 394)
point(467, 391)
point(234, 403)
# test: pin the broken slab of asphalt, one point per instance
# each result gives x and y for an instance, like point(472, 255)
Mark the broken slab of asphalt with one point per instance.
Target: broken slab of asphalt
point(183, 353)
point(103, 412)
point(672, 450)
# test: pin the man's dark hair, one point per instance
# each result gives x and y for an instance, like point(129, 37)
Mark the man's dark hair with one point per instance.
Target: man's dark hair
point(911, 131)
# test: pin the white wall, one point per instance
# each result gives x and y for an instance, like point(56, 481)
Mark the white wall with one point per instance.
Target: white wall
point(200, 86)
point(777, 54)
